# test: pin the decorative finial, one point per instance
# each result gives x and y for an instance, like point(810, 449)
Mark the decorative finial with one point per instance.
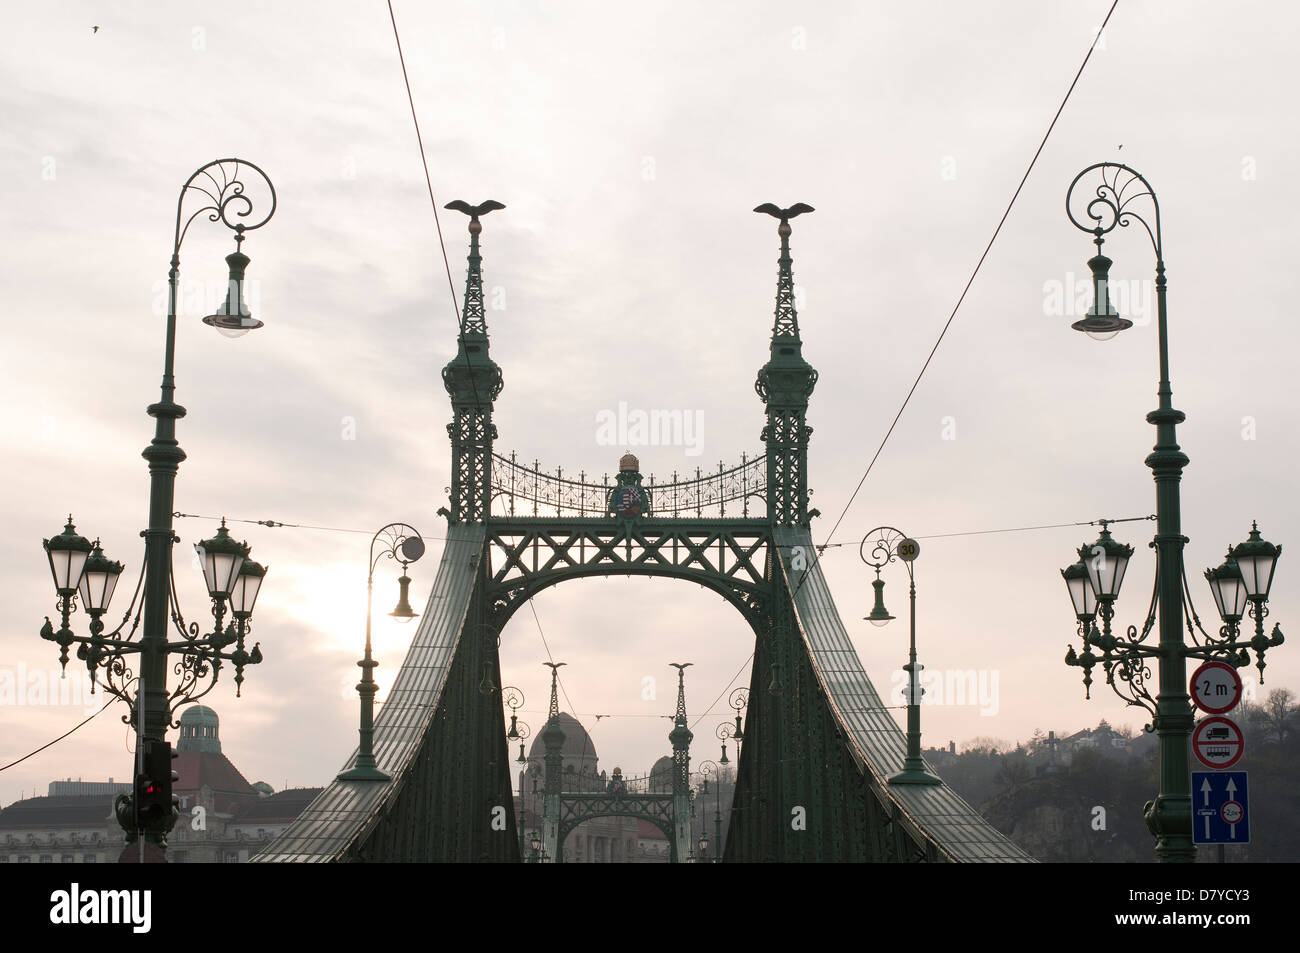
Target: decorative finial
point(474, 211)
point(784, 214)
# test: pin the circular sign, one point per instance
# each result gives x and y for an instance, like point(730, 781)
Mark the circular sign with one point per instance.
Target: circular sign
point(1231, 812)
point(908, 549)
point(1215, 688)
point(412, 548)
point(1218, 743)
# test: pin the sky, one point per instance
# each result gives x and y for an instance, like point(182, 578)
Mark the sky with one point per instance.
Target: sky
point(629, 146)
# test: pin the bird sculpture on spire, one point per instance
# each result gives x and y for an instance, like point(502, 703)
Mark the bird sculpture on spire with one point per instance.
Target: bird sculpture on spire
point(785, 214)
point(474, 211)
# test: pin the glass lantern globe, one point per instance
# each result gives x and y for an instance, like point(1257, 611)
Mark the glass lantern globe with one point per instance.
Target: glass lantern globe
point(67, 552)
point(1106, 560)
point(98, 580)
point(221, 558)
point(1228, 589)
point(1256, 559)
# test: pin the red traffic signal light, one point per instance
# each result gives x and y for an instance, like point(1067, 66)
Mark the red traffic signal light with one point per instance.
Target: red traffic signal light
point(153, 787)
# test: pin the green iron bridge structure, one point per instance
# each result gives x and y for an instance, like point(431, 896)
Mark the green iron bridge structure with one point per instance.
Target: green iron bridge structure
point(820, 744)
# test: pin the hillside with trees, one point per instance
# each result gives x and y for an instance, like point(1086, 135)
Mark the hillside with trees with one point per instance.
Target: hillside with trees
point(1080, 799)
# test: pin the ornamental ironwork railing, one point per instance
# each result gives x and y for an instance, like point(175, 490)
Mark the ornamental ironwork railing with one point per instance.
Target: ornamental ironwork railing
point(520, 490)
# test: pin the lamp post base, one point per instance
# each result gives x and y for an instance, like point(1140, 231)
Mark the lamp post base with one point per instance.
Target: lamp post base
point(364, 772)
point(914, 774)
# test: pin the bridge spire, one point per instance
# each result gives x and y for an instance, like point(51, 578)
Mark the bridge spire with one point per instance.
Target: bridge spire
point(474, 381)
point(785, 383)
point(681, 737)
point(554, 713)
point(553, 740)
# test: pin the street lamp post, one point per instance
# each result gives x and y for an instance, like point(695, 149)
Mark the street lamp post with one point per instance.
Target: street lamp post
point(712, 769)
point(225, 189)
point(1104, 202)
point(404, 544)
point(886, 545)
point(519, 731)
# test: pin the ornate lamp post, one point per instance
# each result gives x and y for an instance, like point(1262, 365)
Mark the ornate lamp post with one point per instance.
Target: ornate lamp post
point(222, 190)
point(712, 769)
point(404, 544)
point(886, 545)
point(538, 855)
point(1102, 203)
point(513, 698)
point(738, 701)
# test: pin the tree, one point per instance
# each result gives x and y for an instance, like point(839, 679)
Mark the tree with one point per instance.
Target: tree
point(1278, 715)
point(986, 745)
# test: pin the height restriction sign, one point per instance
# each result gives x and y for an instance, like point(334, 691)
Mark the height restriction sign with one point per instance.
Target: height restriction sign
point(1215, 688)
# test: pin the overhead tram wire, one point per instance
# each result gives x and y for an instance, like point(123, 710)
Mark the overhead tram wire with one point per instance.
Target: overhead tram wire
point(424, 162)
point(709, 711)
point(1027, 529)
point(965, 290)
point(62, 736)
point(550, 658)
point(275, 524)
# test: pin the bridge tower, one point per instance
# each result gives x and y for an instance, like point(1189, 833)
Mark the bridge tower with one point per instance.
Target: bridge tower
point(785, 383)
point(681, 737)
point(474, 381)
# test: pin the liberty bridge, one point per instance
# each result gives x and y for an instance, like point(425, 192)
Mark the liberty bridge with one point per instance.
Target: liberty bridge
point(812, 781)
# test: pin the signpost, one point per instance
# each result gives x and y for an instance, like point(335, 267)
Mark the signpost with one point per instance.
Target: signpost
point(1221, 808)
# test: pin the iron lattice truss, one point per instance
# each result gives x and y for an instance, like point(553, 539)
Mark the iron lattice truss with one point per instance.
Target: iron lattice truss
point(787, 436)
point(519, 490)
point(525, 555)
point(471, 446)
point(577, 808)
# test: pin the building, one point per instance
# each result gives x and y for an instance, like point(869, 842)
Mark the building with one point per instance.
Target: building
point(602, 840)
point(223, 818)
point(617, 839)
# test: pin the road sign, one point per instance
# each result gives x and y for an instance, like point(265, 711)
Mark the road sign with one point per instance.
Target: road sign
point(908, 549)
point(1215, 688)
point(1218, 742)
point(1220, 808)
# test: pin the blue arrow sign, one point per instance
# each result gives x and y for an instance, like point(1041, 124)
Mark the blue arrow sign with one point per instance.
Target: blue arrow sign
point(1220, 808)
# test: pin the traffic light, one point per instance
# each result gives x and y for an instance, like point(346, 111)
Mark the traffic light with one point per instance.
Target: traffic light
point(153, 786)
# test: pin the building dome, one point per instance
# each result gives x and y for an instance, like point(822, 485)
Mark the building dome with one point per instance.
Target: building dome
point(263, 789)
point(200, 730)
point(629, 462)
point(577, 756)
point(577, 746)
point(661, 775)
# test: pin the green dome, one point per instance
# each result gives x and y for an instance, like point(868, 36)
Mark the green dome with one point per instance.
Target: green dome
point(200, 730)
